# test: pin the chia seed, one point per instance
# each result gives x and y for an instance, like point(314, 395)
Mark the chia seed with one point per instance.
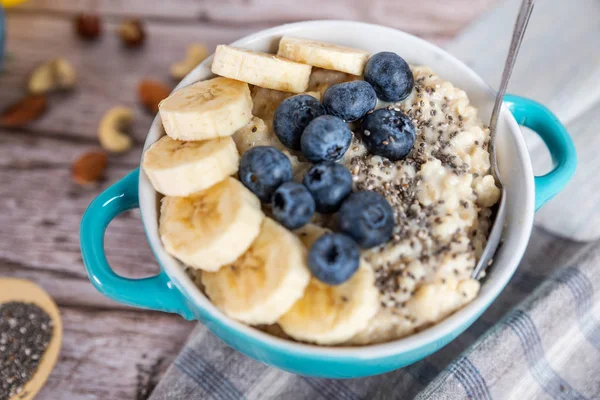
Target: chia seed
point(25, 332)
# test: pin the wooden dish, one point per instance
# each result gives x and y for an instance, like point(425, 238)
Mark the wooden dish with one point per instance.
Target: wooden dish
point(28, 292)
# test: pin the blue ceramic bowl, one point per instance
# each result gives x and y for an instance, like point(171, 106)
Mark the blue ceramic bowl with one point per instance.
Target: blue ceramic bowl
point(172, 291)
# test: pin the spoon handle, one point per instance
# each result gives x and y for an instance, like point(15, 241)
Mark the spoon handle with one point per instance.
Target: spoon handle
point(496, 232)
point(515, 45)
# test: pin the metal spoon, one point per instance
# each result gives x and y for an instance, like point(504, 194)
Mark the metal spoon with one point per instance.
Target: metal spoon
point(515, 44)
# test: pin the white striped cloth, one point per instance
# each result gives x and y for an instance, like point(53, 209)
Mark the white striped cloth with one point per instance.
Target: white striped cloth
point(540, 339)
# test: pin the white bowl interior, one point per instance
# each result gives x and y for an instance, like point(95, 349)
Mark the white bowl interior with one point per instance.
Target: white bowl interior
point(514, 163)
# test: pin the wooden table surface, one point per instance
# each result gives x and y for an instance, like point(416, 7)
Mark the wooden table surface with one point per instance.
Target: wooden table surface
point(107, 346)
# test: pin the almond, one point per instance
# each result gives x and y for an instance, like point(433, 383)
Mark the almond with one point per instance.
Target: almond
point(151, 93)
point(89, 168)
point(24, 111)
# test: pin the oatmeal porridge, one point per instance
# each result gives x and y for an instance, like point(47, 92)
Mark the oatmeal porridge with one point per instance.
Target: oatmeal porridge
point(441, 194)
point(366, 284)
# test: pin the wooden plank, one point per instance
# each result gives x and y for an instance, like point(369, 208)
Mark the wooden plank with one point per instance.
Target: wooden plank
point(44, 230)
point(108, 74)
point(65, 289)
point(431, 18)
point(43, 209)
point(21, 149)
point(103, 351)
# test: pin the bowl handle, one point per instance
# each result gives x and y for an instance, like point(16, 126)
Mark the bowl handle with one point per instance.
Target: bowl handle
point(156, 292)
point(541, 120)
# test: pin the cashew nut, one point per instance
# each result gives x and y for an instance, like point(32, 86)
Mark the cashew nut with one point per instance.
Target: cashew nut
point(110, 132)
point(56, 74)
point(196, 53)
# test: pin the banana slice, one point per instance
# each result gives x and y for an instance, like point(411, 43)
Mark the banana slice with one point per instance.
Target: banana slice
point(261, 69)
point(211, 228)
point(309, 233)
point(261, 285)
point(315, 94)
point(332, 314)
point(207, 109)
point(177, 168)
point(323, 55)
point(255, 133)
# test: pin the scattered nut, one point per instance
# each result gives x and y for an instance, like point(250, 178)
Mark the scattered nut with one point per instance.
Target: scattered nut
point(111, 130)
point(24, 111)
point(196, 53)
point(132, 33)
point(151, 93)
point(88, 26)
point(56, 74)
point(89, 168)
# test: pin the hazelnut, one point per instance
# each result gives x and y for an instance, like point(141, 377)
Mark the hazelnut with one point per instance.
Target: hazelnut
point(88, 26)
point(132, 33)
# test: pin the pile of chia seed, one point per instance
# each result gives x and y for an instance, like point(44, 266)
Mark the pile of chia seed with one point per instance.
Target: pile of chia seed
point(25, 331)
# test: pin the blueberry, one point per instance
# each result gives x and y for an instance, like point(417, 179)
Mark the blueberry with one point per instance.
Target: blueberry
point(293, 205)
point(330, 184)
point(350, 100)
point(326, 138)
point(388, 133)
point(333, 258)
point(292, 116)
point(390, 76)
point(366, 217)
point(263, 169)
